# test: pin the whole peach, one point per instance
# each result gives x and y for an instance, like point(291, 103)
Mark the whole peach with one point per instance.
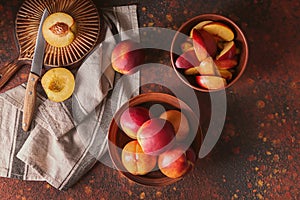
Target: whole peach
point(135, 160)
point(179, 121)
point(174, 162)
point(126, 56)
point(132, 119)
point(156, 136)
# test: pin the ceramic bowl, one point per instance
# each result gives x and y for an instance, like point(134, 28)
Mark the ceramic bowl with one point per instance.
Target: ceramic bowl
point(184, 32)
point(117, 139)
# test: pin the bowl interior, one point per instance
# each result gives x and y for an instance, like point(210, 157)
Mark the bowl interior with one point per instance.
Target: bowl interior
point(117, 139)
point(184, 32)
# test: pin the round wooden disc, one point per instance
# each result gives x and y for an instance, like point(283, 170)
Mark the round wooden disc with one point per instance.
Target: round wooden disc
point(83, 12)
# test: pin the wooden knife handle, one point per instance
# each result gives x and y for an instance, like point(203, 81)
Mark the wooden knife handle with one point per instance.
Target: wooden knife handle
point(29, 101)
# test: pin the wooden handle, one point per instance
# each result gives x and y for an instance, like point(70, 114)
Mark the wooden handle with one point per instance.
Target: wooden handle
point(29, 101)
point(9, 70)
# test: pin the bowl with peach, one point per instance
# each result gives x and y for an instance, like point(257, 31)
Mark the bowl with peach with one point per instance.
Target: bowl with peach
point(154, 139)
point(209, 52)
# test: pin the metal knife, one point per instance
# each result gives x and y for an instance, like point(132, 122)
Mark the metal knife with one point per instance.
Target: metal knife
point(34, 75)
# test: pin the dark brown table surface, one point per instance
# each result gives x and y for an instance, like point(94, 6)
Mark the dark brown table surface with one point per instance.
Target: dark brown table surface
point(257, 155)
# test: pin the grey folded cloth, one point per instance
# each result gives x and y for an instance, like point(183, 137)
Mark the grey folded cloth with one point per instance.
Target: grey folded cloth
point(68, 138)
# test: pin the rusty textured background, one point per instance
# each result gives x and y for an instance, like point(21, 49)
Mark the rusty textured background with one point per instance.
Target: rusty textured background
point(257, 156)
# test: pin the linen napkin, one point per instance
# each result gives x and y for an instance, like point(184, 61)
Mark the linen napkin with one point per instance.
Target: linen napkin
point(68, 138)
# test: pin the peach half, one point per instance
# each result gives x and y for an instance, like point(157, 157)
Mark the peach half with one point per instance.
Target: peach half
point(135, 160)
point(59, 29)
point(58, 84)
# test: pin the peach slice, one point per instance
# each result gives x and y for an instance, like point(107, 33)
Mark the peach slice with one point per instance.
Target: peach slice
point(59, 29)
point(135, 160)
point(224, 73)
point(187, 60)
point(206, 67)
point(219, 29)
point(179, 122)
point(209, 42)
point(187, 45)
point(226, 64)
point(192, 71)
point(228, 52)
point(199, 26)
point(58, 84)
point(211, 82)
point(199, 45)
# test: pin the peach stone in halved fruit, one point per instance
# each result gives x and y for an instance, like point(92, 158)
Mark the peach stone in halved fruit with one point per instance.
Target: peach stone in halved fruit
point(58, 84)
point(59, 29)
point(135, 160)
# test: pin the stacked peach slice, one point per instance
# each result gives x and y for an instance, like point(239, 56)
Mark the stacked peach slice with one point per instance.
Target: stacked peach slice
point(210, 54)
point(156, 141)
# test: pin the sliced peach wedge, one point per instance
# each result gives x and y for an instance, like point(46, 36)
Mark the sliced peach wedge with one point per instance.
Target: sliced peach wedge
point(199, 26)
point(187, 60)
point(211, 82)
point(228, 52)
point(226, 64)
point(210, 42)
point(199, 45)
point(224, 73)
point(186, 45)
point(219, 29)
point(206, 67)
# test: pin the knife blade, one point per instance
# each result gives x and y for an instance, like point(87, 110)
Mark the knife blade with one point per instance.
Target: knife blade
point(34, 75)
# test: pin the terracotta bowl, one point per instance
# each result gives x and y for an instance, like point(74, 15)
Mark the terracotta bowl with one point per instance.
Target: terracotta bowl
point(117, 139)
point(184, 32)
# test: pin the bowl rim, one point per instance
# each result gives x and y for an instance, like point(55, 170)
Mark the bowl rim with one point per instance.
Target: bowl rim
point(213, 17)
point(148, 97)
